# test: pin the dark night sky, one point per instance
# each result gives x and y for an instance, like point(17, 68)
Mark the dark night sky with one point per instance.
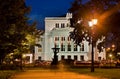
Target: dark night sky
point(43, 8)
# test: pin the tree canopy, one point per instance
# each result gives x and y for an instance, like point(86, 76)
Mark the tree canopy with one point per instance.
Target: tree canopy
point(108, 14)
point(14, 27)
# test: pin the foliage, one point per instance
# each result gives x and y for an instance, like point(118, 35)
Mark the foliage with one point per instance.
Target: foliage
point(108, 15)
point(14, 27)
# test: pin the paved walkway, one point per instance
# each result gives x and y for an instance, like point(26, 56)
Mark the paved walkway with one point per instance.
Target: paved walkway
point(50, 74)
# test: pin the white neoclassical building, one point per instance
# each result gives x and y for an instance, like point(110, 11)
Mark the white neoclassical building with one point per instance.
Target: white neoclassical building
point(57, 31)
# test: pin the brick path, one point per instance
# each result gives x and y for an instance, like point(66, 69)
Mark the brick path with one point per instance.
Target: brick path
point(50, 74)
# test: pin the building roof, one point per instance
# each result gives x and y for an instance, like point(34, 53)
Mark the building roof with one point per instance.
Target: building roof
point(55, 18)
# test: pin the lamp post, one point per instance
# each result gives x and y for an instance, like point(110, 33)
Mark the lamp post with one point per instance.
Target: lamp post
point(110, 55)
point(92, 23)
point(55, 59)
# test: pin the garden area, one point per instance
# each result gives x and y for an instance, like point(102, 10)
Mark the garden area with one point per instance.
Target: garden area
point(6, 74)
point(99, 72)
point(106, 73)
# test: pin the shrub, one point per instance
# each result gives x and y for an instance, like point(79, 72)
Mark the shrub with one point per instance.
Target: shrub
point(6, 74)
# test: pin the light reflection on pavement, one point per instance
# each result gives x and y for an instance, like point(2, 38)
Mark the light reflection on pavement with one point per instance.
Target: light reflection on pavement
point(51, 74)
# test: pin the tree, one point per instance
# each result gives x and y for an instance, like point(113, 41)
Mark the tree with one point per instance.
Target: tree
point(14, 27)
point(108, 14)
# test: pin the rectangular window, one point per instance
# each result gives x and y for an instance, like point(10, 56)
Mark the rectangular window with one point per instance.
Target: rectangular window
point(57, 25)
point(69, 47)
point(39, 58)
point(82, 47)
point(62, 47)
point(75, 47)
point(39, 49)
point(62, 25)
point(75, 57)
point(69, 57)
point(56, 38)
point(69, 39)
point(62, 38)
point(68, 25)
point(82, 58)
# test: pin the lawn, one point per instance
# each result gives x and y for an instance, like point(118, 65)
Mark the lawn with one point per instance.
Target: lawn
point(99, 72)
point(6, 74)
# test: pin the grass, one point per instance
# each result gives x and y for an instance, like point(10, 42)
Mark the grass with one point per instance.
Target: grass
point(99, 72)
point(6, 74)
point(113, 73)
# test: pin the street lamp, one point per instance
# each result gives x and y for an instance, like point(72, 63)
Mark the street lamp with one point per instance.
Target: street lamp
point(110, 55)
point(92, 23)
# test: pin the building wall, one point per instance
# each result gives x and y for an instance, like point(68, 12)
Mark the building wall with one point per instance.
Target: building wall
point(57, 30)
point(62, 32)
